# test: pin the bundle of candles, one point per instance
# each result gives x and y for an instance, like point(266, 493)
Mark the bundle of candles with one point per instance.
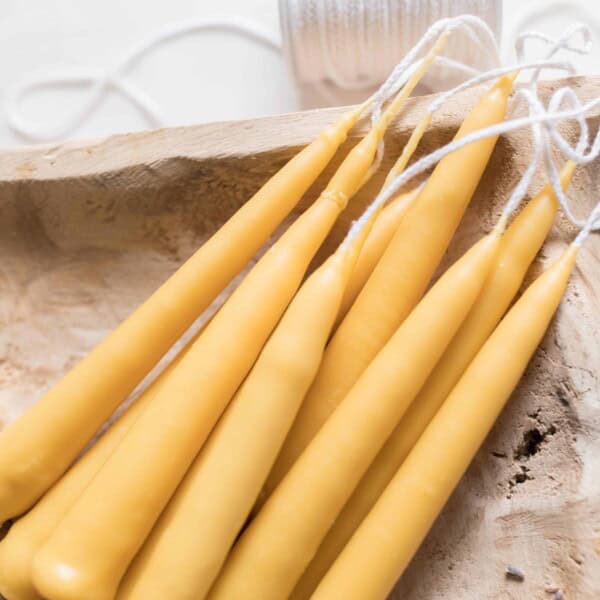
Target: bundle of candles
point(305, 440)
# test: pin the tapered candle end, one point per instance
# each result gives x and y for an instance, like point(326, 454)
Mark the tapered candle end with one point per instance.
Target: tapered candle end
point(488, 245)
point(505, 83)
point(569, 257)
point(561, 268)
point(566, 174)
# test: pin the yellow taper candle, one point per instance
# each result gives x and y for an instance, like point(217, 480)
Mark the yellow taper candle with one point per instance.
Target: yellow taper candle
point(190, 541)
point(388, 538)
point(387, 223)
point(39, 447)
point(383, 230)
point(400, 277)
point(519, 246)
point(90, 550)
point(27, 535)
point(279, 543)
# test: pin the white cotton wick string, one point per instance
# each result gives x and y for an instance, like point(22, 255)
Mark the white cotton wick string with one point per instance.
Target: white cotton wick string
point(551, 134)
point(564, 42)
point(101, 81)
point(543, 135)
point(434, 157)
point(539, 115)
point(431, 159)
point(543, 123)
point(441, 99)
point(493, 74)
point(416, 71)
point(476, 29)
point(592, 224)
point(479, 32)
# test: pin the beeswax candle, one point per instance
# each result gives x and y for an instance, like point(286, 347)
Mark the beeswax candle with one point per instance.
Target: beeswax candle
point(90, 550)
point(27, 535)
point(379, 238)
point(386, 224)
point(279, 543)
point(519, 246)
point(189, 543)
point(402, 274)
point(39, 447)
point(387, 539)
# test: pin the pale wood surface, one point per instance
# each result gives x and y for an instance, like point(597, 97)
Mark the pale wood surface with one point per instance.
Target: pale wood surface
point(88, 230)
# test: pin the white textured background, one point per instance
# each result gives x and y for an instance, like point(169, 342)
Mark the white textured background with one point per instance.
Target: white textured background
point(211, 76)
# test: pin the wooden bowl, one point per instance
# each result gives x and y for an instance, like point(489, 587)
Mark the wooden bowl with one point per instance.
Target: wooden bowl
point(89, 230)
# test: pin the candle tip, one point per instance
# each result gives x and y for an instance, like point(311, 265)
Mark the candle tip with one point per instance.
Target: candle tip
point(569, 256)
point(505, 83)
point(566, 174)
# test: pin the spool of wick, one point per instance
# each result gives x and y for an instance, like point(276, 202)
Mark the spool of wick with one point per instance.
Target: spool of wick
point(336, 50)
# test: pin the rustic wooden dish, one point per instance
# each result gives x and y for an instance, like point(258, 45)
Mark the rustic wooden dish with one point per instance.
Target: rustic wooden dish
point(89, 230)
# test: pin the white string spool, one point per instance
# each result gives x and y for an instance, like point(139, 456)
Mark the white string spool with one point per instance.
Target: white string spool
point(337, 49)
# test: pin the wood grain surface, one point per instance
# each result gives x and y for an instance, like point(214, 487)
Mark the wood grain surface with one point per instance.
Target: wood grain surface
point(89, 230)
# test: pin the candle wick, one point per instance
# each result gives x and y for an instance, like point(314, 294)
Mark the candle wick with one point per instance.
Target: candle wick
point(542, 120)
point(592, 224)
